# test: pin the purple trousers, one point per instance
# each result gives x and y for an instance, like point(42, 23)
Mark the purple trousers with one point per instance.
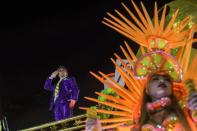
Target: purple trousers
point(62, 111)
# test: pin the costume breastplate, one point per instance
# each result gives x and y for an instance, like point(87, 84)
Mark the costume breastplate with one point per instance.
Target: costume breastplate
point(170, 123)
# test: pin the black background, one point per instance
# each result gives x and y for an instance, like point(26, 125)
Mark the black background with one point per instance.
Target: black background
point(35, 38)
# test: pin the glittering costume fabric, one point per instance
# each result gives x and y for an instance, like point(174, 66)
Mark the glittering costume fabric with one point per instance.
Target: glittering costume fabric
point(62, 93)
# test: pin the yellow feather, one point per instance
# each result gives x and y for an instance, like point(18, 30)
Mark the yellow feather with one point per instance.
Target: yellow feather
point(148, 18)
point(156, 19)
point(140, 14)
point(117, 106)
point(111, 126)
point(161, 26)
point(130, 51)
point(135, 19)
point(135, 90)
point(114, 120)
point(121, 32)
point(118, 86)
point(130, 23)
point(115, 99)
point(118, 91)
point(169, 26)
point(134, 80)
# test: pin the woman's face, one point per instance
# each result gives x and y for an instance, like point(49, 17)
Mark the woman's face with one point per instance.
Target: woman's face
point(159, 86)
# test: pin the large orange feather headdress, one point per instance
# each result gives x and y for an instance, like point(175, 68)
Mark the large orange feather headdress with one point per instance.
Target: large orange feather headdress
point(156, 40)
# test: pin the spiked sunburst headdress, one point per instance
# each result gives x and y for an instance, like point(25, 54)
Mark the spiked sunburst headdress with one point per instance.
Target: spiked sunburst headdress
point(156, 40)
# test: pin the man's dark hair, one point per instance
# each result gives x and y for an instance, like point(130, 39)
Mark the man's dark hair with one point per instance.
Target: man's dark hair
point(63, 67)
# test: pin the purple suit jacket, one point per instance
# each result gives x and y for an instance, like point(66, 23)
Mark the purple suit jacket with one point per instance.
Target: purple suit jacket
point(68, 90)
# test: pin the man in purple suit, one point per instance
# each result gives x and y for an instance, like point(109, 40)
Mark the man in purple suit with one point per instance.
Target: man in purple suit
point(64, 93)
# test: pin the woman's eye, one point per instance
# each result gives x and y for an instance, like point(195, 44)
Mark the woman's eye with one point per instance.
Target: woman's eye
point(155, 78)
point(167, 79)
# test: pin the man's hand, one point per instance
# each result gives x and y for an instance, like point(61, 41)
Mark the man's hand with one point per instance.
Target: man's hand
point(72, 103)
point(54, 74)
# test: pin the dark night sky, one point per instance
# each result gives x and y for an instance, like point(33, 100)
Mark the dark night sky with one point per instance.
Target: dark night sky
point(35, 38)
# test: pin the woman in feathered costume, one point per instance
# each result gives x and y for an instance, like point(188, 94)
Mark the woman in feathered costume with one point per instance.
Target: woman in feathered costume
point(160, 92)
